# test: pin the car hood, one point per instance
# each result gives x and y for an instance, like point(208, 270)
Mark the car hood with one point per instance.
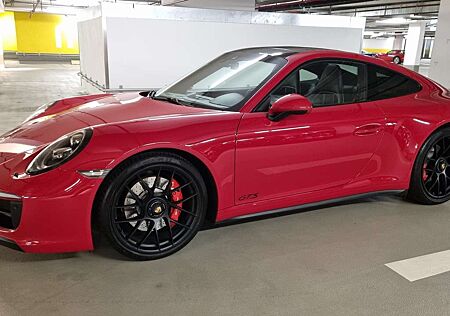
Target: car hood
point(68, 115)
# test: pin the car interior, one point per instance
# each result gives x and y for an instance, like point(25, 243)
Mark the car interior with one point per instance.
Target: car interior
point(323, 83)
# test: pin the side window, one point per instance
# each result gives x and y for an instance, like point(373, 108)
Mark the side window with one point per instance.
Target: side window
point(336, 83)
point(324, 83)
point(384, 84)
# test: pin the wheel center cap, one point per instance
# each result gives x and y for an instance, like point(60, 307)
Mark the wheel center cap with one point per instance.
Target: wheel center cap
point(156, 207)
point(442, 165)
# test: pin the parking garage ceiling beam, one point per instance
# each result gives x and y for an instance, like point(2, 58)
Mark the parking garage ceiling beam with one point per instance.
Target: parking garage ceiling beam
point(362, 8)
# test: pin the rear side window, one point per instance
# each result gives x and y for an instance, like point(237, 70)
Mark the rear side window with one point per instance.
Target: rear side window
point(384, 84)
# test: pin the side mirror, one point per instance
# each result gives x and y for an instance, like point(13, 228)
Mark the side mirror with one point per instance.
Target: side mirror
point(289, 104)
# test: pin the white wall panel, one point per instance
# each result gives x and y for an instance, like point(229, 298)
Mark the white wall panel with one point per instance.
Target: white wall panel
point(148, 53)
point(92, 50)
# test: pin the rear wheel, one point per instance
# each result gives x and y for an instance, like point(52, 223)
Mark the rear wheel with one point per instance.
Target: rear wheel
point(430, 180)
point(153, 206)
point(397, 60)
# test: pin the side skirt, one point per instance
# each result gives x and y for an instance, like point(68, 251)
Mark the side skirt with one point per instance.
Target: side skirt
point(310, 205)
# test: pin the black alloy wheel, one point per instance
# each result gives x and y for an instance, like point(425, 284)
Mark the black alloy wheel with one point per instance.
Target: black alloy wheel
point(153, 206)
point(430, 182)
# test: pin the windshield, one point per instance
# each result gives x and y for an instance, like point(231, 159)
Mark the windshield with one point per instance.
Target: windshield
point(227, 82)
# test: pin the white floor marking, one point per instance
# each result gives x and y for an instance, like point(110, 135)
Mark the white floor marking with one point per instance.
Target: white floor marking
point(422, 267)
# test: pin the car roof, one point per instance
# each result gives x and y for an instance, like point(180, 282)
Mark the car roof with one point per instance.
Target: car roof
point(283, 51)
point(298, 52)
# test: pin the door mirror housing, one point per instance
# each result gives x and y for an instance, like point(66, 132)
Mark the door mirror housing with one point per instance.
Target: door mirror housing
point(287, 105)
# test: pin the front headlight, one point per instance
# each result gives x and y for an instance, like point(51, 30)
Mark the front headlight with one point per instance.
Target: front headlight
point(59, 152)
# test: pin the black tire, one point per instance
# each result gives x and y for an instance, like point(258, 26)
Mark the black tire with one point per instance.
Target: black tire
point(137, 215)
point(430, 179)
point(397, 60)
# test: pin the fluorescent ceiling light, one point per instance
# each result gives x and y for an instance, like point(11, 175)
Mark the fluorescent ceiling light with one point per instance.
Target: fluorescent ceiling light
point(394, 21)
point(377, 34)
point(417, 16)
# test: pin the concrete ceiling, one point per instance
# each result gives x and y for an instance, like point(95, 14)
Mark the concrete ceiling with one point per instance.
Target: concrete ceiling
point(394, 15)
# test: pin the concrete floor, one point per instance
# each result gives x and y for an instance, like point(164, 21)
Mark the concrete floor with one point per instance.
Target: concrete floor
point(327, 261)
point(23, 88)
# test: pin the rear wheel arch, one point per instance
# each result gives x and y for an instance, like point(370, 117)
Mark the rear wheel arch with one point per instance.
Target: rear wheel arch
point(420, 150)
point(425, 139)
point(212, 206)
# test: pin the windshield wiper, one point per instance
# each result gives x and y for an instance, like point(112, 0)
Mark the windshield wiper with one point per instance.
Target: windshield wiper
point(173, 100)
point(168, 99)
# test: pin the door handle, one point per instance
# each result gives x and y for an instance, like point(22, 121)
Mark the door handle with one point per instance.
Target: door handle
point(368, 129)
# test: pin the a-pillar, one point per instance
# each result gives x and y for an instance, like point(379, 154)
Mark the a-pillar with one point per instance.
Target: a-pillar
point(414, 45)
point(440, 58)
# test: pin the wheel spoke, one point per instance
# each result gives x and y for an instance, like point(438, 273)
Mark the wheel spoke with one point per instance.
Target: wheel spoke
point(444, 148)
point(188, 198)
point(157, 240)
point(444, 191)
point(128, 220)
point(438, 185)
point(134, 196)
point(134, 230)
point(168, 188)
point(167, 222)
point(429, 179)
point(134, 206)
point(182, 209)
point(441, 149)
point(178, 223)
point(157, 180)
point(145, 185)
point(434, 184)
point(181, 186)
point(147, 234)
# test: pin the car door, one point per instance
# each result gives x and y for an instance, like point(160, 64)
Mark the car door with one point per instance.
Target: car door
point(302, 153)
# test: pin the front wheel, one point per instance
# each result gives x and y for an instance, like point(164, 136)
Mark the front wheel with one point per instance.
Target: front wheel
point(152, 206)
point(430, 180)
point(397, 60)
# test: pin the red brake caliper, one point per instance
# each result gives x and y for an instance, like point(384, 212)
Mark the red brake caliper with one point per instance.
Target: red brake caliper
point(424, 174)
point(176, 196)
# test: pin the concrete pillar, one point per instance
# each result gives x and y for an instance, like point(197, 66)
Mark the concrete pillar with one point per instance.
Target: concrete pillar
point(242, 5)
point(440, 58)
point(414, 45)
point(398, 42)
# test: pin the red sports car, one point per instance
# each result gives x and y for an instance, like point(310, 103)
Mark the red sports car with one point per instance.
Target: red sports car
point(254, 131)
point(393, 56)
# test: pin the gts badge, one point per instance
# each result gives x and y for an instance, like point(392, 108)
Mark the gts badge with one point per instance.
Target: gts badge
point(248, 197)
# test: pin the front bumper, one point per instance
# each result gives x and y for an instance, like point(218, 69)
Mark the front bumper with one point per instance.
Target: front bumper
point(55, 212)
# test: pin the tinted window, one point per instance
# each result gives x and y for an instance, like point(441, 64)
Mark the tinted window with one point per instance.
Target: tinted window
point(335, 82)
point(384, 84)
point(324, 83)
